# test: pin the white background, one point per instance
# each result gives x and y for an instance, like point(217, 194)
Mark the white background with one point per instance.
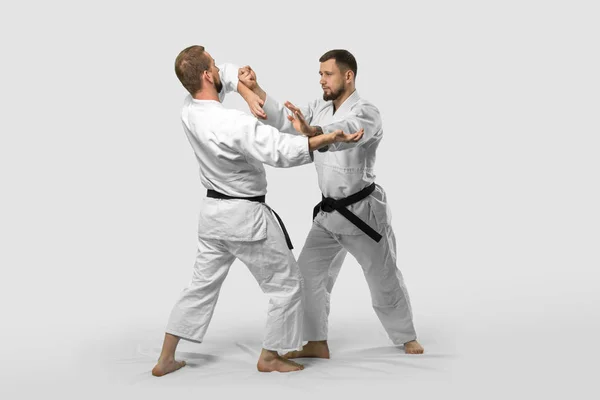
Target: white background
point(489, 158)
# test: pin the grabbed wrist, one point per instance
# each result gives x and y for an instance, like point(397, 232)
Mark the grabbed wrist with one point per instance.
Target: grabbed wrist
point(258, 91)
point(316, 130)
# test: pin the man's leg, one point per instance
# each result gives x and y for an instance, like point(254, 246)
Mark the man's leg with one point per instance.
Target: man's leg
point(388, 292)
point(166, 361)
point(320, 262)
point(276, 271)
point(193, 311)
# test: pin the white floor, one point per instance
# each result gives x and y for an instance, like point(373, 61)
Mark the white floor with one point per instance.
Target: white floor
point(484, 347)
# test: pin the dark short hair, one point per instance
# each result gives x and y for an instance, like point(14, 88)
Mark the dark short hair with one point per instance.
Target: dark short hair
point(343, 59)
point(190, 64)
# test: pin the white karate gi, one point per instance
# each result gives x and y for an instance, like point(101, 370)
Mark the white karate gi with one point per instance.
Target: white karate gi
point(231, 147)
point(345, 169)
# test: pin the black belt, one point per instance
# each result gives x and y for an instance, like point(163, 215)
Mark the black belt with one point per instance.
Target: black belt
point(259, 199)
point(328, 204)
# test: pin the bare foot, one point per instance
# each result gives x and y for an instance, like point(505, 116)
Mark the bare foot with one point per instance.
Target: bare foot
point(165, 367)
point(270, 361)
point(413, 347)
point(318, 349)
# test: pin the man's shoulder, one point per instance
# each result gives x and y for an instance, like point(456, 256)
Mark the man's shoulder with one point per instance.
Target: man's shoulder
point(365, 103)
point(235, 113)
point(363, 106)
point(216, 115)
point(231, 117)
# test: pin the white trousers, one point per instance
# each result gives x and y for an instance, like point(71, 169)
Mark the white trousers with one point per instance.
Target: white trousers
point(276, 271)
point(320, 262)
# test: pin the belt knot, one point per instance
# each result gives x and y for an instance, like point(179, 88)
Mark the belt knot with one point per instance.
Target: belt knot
point(328, 204)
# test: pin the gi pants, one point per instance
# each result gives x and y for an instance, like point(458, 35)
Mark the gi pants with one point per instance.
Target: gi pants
point(273, 266)
point(320, 262)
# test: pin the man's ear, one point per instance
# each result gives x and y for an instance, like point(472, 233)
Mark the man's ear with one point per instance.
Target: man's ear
point(349, 75)
point(208, 76)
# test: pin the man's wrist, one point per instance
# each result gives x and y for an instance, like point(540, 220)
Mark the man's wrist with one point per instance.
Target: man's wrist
point(316, 130)
point(329, 139)
point(259, 92)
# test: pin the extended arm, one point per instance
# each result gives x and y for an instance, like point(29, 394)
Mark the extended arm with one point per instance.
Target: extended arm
point(269, 146)
point(364, 116)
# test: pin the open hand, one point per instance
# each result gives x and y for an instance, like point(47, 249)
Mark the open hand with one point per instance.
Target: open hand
point(341, 137)
point(298, 121)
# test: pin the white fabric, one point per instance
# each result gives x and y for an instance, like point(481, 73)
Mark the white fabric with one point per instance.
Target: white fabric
point(320, 261)
point(229, 78)
point(345, 169)
point(231, 147)
point(342, 173)
point(276, 271)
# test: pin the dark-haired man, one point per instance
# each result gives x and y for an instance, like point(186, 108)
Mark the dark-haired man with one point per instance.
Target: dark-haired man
point(353, 215)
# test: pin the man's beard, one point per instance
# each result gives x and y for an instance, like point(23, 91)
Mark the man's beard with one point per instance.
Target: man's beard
point(334, 94)
point(219, 86)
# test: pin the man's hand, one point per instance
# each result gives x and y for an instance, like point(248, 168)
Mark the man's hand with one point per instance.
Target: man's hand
point(255, 104)
point(341, 137)
point(298, 121)
point(251, 92)
point(257, 97)
point(247, 76)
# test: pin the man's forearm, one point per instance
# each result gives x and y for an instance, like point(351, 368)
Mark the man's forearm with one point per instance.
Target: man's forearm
point(319, 141)
point(245, 92)
point(260, 93)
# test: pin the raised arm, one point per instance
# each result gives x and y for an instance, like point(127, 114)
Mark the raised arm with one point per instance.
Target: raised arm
point(277, 115)
point(229, 78)
point(365, 116)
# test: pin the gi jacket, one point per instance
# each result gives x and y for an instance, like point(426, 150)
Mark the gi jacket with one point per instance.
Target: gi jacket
point(346, 168)
point(231, 147)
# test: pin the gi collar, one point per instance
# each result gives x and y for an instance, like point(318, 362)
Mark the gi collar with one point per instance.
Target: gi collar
point(348, 103)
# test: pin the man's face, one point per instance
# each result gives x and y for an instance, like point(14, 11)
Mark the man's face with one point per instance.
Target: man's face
point(332, 80)
point(214, 71)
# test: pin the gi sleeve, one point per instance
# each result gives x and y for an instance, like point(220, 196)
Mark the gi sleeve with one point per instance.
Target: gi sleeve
point(365, 116)
point(229, 78)
point(269, 146)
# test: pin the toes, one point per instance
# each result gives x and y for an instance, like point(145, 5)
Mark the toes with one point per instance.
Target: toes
point(295, 365)
point(414, 351)
point(298, 367)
